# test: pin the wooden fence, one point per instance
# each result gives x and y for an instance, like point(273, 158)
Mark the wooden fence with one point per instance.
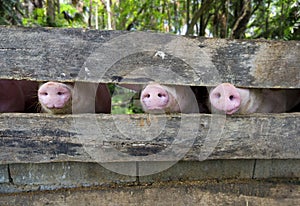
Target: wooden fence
point(118, 159)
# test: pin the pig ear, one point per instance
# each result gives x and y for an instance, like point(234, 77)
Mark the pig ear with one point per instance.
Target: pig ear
point(135, 87)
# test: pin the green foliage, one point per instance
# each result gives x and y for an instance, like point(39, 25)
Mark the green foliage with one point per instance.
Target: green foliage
point(10, 12)
point(141, 15)
point(270, 19)
point(278, 19)
point(125, 101)
point(78, 19)
point(37, 18)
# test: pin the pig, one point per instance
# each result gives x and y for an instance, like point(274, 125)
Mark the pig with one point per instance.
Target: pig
point(18, 95)
point(159, 98)
point(229, 99)
point(67, 98)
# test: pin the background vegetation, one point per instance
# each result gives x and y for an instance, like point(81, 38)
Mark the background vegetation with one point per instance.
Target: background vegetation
point(270, 19)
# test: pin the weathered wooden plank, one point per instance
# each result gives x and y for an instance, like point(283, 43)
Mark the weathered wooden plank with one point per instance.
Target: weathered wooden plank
point(142, 138)
point(116, 56)
point(24, 177)
point(50, 176)
point(181, 193)
point(4, 178)
point(46, 53)
point(276, 168)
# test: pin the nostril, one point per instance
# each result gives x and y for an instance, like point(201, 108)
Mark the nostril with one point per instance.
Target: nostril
point(59, 93)
point(159, 95)
point(231, 97)
point(147, 96)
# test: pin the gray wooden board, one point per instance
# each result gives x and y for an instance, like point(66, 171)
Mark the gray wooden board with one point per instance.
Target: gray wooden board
point(141, 138)
point(22, 177)
point(45, 54)
point(181, 193)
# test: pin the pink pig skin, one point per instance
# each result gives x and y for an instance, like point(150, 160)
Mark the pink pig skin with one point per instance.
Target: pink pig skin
point(57, 98)
point(230, 99)
point(158, 98)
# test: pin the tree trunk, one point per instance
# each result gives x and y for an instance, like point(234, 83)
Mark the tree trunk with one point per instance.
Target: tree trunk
point(204, 7)
point(96, 17)
point(50, 12)
point(109, 25)
point(267, 20)
point(90, 14)
point(58, 6)
point(240, 25)
point(188, 13)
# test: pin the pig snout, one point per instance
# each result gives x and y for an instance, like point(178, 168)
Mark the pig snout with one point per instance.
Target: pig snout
point(54, 95)
point(154, 98)
point(225, 97)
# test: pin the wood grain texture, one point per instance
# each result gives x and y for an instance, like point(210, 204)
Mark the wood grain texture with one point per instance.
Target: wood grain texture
point(138, 57)
point(133, 138)
point(181, 193)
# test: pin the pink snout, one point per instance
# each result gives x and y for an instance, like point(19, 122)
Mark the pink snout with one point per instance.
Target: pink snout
point(154, 98)
point(225, 97)
point(54, 95)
